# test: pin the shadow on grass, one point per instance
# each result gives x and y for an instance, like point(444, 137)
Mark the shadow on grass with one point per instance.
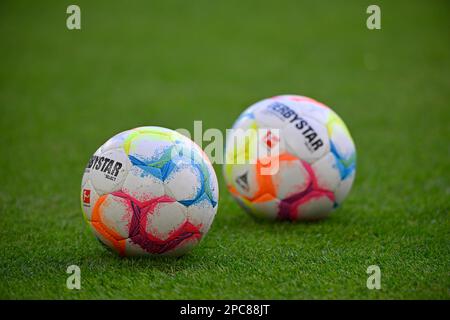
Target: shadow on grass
point(248, 223)
point(226, 236)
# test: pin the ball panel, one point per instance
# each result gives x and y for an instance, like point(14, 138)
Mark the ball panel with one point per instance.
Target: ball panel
point(165, 219)
point(201, 214)
point(316, 206)
point(150, 151)
point(291, 177)
point(108, 239)
point(296, 207)
point(141, 185)
point(326, 172)
point(344, 188)
point(114, 213)
point(266, 207)
point(192, 182)
point(154, 245)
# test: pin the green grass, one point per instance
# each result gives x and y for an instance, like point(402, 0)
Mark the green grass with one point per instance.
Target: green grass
point(63, 93)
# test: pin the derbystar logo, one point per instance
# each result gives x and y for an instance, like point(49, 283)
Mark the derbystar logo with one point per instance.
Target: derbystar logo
point(106, 165)
point(86, 196)
point(312, 139)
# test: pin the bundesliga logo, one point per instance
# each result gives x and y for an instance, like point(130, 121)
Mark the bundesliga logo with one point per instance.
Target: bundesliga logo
point(271, 140)
point(86, 196)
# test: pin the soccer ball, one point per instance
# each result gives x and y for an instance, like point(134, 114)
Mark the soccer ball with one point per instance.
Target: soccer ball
point(313, 150)
point(149, 191)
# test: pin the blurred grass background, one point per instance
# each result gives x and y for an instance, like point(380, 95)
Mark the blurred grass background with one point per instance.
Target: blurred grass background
point(168, 63)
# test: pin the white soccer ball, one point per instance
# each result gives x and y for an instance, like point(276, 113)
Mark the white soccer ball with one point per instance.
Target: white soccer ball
point(313, 151)
point(149, 191)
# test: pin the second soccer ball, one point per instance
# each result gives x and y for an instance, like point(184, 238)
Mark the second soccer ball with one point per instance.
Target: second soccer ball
point(314, 154)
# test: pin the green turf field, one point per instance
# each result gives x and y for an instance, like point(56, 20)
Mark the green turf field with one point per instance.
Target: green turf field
point(63, 93)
